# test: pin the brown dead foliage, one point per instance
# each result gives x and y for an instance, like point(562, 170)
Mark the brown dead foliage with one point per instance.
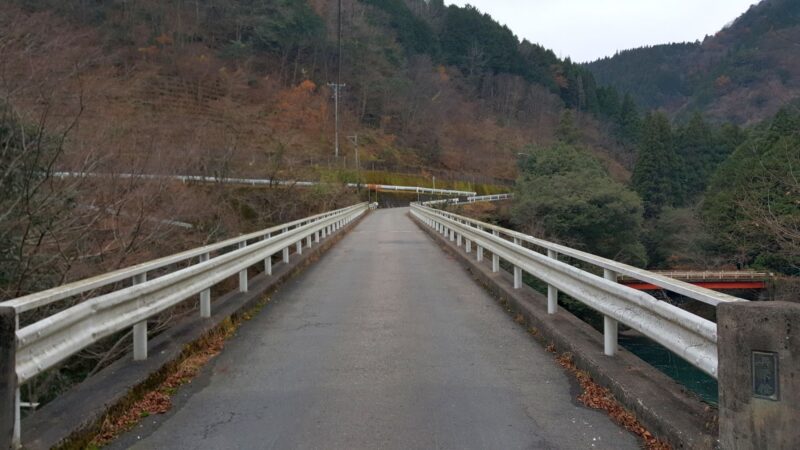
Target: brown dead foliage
point(598, 397)
point(159, 400)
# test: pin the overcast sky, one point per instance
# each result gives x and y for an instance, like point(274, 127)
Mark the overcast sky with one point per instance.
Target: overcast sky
point(586, 30)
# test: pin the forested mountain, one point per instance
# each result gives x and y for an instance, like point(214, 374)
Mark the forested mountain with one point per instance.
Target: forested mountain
point(428, 86)
point(742, 74)
point(242, 88)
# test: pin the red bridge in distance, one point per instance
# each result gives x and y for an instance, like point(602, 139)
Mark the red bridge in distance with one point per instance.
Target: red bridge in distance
point(717, 280)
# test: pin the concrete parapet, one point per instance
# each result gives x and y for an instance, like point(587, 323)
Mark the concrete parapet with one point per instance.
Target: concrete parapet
point(759, 375)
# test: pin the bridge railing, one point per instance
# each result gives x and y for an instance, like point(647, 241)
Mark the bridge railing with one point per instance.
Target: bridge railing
point(688, 335)
point(470, 199)
point(43, 344)
point(258, 182)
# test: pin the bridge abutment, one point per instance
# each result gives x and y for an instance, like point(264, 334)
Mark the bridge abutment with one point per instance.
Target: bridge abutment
point(759, 375)
point(8, 377)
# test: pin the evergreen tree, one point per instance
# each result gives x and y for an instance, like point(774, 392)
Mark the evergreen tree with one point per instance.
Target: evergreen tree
point(629, 121)
point(728, 138)
point(753, 202)
point(608, 102)
point(566, 193)
point(697, 149)
point(567, 132)
point(655, 176)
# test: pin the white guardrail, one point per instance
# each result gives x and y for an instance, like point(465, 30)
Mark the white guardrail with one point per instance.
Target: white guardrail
point(258, 182)
point(471, 199)
point(48, 341)
point(688, 335)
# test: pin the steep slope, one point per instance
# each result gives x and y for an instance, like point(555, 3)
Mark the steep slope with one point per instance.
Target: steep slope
point(242, 86)
point(742, 74)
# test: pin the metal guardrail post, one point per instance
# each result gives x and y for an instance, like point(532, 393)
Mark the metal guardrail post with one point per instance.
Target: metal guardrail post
point(140, 329)
point(243, 273)
point(479, 256)
point(552, 291)
point(469, 246)
point(610, 326)
point(517, 270)
point(205, 295)
point(308, 241)
point(286, 255)
point(299, 247)
point(9, 391)
point(458, 239)
point(268, 259)
point(316, 237)
point(495, 257)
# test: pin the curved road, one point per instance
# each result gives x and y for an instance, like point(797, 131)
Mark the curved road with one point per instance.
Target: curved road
point(384, 343)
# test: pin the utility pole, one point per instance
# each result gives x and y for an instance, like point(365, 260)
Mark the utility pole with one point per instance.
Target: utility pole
point(354, 139)
point(336, 92)
point(338, 85)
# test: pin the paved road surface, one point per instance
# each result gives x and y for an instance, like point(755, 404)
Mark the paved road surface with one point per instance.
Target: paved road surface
point(384, 343)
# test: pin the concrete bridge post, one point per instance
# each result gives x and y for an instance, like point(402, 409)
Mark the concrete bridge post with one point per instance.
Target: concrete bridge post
point(9, 390)
point(759, 375)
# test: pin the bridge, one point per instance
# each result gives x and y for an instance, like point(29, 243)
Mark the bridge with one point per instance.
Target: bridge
point(387, 341)
point(718, 280)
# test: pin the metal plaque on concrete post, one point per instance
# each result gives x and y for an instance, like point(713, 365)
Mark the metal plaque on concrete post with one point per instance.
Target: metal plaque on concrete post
point(759, 375)
point(8, 375)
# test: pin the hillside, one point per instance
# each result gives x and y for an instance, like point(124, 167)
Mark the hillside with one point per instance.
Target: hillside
point(742, 74)
point(241, 87)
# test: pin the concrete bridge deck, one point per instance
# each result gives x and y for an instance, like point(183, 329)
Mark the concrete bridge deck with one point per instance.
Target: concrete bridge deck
point(384, 343)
